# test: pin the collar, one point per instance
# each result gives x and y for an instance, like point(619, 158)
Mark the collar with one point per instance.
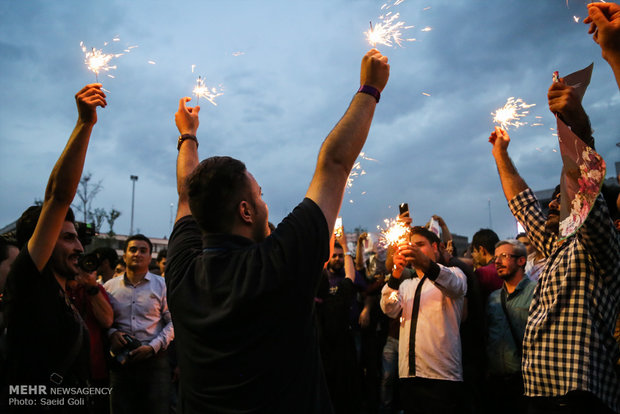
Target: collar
point(146, 277)
point(223, 241)
point(520, 286)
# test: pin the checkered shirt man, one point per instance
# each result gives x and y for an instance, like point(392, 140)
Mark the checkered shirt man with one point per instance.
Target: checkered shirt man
point(568, 343)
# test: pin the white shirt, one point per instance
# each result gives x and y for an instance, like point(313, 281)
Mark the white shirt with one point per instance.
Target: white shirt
point(438, 341)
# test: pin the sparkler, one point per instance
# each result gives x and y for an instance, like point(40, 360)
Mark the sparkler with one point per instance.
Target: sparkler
point(395, 232)
point(203, 91)
point(389, 30)
point(97, 61)
point(511, 113)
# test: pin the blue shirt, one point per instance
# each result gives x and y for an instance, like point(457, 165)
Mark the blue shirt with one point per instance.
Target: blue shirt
point(503, 357)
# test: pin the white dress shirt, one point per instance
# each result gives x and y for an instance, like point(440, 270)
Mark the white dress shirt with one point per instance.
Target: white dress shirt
point(438, 342)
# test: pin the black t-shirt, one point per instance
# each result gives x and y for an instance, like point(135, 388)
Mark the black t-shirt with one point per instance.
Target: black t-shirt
point(41, 327)
point(243, 314)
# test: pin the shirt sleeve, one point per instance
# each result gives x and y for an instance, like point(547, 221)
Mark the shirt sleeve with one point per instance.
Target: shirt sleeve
point(390, 301)
point(451, 281)
point(524, 206)
point(185, 243)
point(166, 335)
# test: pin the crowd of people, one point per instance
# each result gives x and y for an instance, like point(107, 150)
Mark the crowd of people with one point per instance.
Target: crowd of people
point(245, 317)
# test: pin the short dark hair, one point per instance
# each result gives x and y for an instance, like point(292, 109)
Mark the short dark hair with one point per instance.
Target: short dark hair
point(337, 245)
point(107, 253)
point(138, 237)
point(162, 255)
point(522, 234)
point(486, 238)
point(215, 188)
point(426, 233)
point(24, 228)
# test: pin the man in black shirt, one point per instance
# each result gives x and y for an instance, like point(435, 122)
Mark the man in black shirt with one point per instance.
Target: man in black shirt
point(241, 297)
point(47, 342)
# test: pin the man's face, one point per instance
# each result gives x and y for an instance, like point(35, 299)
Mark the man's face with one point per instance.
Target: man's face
point(527, 243)
point(5, 265)
point(260, 227)
point(506, 262)
point(66, 252)
point(138, 256)
point(430, 250)
point(336, 263)
point(553, 218)
point(477, 256)
point(162, 265)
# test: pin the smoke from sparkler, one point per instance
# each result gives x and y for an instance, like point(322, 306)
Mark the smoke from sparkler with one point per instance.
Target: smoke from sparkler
point(203, 91)
point(511, 113)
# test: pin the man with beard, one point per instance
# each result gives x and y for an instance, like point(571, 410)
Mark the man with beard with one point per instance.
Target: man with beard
point(569, 352)
point(334, 299)
point(46, 337)
point(507, 311)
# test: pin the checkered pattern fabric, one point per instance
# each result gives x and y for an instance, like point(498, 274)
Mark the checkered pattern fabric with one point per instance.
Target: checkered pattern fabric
point(569, 342)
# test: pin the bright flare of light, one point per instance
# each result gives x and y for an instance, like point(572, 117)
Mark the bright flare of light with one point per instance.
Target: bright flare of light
point(511, 113)
point(203, 91)
point(97, 61)
point(388, 31)
point(394, 232)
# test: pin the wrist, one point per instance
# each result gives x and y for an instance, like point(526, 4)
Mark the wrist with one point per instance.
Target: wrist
point(186, 137)
point(370, 90)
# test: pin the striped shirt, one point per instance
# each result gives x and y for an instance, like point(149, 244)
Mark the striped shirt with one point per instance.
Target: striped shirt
point(569, 342)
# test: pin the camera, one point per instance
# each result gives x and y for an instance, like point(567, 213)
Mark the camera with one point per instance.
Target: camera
point(89, 262)
point(123, 355)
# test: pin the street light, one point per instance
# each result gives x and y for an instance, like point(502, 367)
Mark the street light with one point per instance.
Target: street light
point(133, 178)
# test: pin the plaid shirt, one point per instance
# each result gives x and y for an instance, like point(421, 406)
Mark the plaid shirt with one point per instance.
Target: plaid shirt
point(569, 342)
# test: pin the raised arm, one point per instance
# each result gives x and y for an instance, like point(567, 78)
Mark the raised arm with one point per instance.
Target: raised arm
point(604, 20)
point(345, 141)
point(512, 183)
point(187, 121)
point(65, 177)
point(446, 236)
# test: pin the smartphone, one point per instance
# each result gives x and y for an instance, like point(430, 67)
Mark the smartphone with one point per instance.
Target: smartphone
point(403, 209)
point(338, 227)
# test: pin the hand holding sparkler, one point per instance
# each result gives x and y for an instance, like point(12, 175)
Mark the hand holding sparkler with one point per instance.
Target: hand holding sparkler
point(500, 140)
point(375, 70)
point(186, 118)
point(88, 99)
point(566, 104)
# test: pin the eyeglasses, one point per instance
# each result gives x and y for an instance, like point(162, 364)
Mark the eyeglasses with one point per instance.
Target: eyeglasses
point(504, 256)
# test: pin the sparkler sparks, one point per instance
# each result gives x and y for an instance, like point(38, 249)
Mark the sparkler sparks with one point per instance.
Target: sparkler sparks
point(389, 30)
point(97, 61)
point(203, 91)
point(511, 113)
point(395, 232)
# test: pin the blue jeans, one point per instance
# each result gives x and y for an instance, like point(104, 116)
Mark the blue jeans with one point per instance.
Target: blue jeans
point(389, 381)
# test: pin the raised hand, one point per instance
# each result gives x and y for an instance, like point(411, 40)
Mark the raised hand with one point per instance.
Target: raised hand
point(186, 118)
point(88, 99)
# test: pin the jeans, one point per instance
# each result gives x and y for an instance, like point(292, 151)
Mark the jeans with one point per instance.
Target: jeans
point(141, 387)
point(389, 381)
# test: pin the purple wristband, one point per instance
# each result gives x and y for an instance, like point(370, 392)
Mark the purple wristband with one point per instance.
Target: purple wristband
point(370, 90)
